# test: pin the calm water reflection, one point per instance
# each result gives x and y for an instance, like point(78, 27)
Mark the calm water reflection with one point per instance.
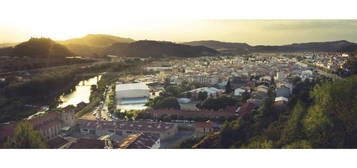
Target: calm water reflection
point(80, 94)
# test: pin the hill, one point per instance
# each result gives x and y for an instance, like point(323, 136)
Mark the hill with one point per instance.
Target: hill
point(239, 48)
point(4, 45)
point(147, 48)
point(92, 45)
point(6, 51)
point(37, 53)
point(41, 48)
point(331, 46)
point(224, 47)
point(349, 49)
point(98, 40)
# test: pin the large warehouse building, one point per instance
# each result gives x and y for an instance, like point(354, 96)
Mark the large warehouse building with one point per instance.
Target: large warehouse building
point(132, 90)
point(132, 96)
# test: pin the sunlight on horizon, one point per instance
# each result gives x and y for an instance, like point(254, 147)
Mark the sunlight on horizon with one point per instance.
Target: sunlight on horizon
point(65, 19)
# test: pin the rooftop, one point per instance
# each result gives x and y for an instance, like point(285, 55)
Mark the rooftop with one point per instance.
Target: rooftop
point(131, 86)
point(138, 141)
point(127, 125)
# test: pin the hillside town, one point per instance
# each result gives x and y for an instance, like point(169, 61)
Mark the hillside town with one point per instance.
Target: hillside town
point(247, 80)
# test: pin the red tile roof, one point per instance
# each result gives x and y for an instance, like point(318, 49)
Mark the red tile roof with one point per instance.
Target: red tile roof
point(138, 141)
point(56, 142)
point(87, 144)
point(227, 112)
point(126, 125)
point(246, 108)
point(207, 124)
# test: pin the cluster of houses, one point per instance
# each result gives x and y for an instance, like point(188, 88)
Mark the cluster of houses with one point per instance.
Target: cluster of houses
point(328, 60)
point(257, 76)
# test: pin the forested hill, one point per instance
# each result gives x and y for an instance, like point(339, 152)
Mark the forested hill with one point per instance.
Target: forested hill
point(92, 45)
point(222, 46)
point(99, 40)
point(147, 48)
point(331, 46)
point(41, 48)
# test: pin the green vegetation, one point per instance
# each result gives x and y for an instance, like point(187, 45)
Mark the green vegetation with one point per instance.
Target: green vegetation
point(202, 96)
point(133, 115)
point(325, 118)
point(163, 102)
point(218, 103)
point(229, 87)
point(25, 138)
point(352, 64)
point(111, 101)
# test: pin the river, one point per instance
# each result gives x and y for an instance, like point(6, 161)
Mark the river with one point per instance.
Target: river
point(80, 94)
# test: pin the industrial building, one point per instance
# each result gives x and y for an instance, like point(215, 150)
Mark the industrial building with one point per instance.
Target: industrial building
point(132, 96)
point(132, 90)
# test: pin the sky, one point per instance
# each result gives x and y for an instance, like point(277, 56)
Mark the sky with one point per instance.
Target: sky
point(160, 20)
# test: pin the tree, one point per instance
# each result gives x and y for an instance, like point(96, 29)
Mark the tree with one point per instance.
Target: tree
point(352, 64)
point(164, 103)
point(202, 96)
point(167, 82)
point(119, 114)
point(217, 103)
point(303, 144)
point(271, 92)
point(293, 129)
point(93, 88)
point(331, 121)
point(245, 96)
point(229, 87)
point(188, 94)
point(25, 137)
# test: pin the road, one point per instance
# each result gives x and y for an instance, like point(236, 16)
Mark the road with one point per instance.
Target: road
point(105, 111)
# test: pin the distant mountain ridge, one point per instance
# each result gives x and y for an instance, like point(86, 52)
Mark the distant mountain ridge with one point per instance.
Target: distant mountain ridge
point(222, 46)
point(330, 46)
point(41, 48)
point(149, 48)
point(103, 40)
point(92, 45)
point(99, 45)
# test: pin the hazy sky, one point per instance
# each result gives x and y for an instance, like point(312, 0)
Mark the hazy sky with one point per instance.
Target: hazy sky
point(64, 19)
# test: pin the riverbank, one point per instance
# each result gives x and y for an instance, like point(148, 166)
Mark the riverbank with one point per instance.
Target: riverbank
point(21, 99)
